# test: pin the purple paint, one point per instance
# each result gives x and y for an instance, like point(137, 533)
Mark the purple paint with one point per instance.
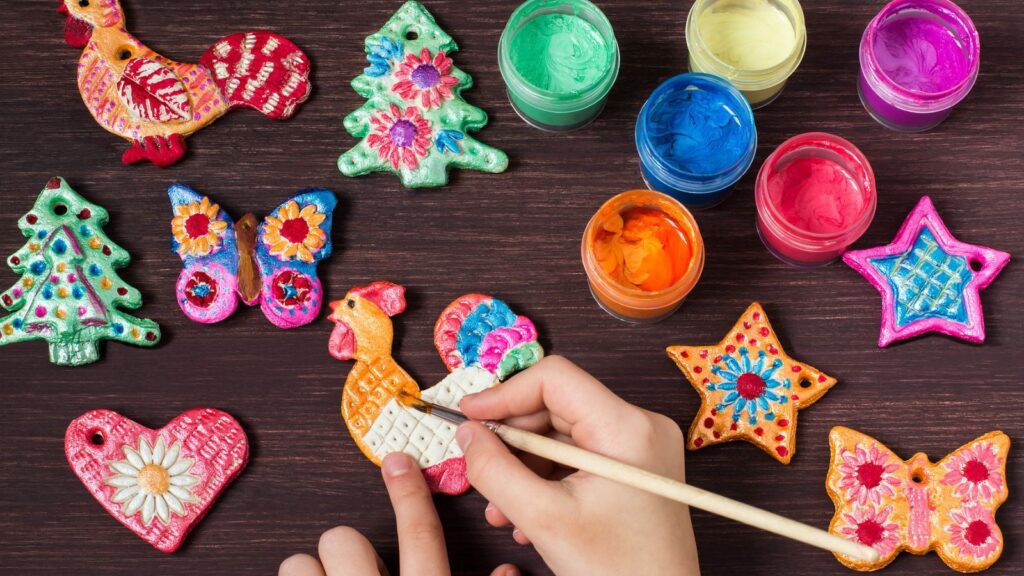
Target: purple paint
point(426, 76)
point(403, 133)
point(918, 59)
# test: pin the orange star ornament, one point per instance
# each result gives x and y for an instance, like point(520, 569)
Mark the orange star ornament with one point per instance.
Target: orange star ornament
point(749, 388)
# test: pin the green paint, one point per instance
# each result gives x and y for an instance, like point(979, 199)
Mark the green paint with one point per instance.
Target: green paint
point(561, 53)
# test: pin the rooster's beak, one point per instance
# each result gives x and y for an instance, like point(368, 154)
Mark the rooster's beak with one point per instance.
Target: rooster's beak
point(76, 32)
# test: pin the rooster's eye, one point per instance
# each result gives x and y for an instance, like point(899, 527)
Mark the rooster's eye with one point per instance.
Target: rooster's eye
point(83, 3)
point(351, 303)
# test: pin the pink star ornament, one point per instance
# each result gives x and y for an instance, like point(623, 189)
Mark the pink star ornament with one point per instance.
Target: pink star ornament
point(928, 279)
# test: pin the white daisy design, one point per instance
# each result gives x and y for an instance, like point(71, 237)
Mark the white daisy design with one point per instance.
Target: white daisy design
point(153, 480)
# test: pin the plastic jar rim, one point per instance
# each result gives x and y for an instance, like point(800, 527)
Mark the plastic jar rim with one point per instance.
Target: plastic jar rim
point(681, 179)
point(636, 298)
point(806, 239)
point(747, 79)
point(919, 100)
point(551, 100)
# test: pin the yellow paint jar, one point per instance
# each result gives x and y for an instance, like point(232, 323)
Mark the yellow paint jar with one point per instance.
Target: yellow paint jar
point(755, 44)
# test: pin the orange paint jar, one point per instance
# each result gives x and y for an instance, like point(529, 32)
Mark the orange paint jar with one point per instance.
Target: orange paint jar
point(643, 254)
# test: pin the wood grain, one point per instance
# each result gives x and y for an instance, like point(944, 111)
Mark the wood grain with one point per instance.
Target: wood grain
point(515, 235)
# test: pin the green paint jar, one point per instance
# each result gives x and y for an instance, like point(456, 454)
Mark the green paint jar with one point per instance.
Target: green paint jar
point(559, 59)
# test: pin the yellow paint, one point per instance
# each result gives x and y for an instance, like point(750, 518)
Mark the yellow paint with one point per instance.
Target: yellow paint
point(135, 333)
point(61, 314)
point(105, 283)
point(8, 329)
point(62, 292)
point(747, 34)
point(33, 247)
point(28, 282)
point(95, 243)
point(61, 267)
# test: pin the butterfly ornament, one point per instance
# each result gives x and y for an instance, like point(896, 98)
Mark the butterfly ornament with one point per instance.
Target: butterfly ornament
point(272, 262)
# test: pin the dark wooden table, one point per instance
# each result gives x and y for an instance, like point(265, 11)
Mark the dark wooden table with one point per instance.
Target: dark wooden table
point(515, 235)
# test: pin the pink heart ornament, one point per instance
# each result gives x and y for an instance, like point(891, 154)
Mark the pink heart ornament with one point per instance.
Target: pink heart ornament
point(158, 483)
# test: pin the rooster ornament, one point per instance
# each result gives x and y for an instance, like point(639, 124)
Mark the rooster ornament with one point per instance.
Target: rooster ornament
point(481, 341)
point(155, 102)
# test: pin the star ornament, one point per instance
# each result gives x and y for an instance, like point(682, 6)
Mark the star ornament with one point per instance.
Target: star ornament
point(928, 279)
point(749, 388)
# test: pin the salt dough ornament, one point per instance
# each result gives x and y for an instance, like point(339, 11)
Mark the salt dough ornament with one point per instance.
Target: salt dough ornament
point(155, 102)
point(928, 279)
point(69, 294)
point(271, 262)
point(749, 388)
point(158, 483)
point(894, 505)
point(481, 341)
point(415, 122)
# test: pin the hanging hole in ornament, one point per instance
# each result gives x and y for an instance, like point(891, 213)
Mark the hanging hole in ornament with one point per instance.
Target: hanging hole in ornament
point(96, 438)
point(411, 34)
point(805, 383)
point(60, 209)
point(975, 265)
point(918, 477)
point(124, 53)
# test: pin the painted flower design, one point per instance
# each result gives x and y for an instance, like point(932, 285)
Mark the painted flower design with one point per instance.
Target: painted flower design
point(750, 386)
point(425, 79)
point(973, 531)
point(152, 480)
point(400, 137)
point(380, 54)
point(867, 475)
point(872, 527)
point(197, 229)
point(291, 288)
point(975, 472)
point(295, 232)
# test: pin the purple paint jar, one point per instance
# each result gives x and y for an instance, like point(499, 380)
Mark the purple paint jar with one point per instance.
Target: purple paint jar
point(918, 59)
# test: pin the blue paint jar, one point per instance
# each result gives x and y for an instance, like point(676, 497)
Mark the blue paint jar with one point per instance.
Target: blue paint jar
point(696, 138)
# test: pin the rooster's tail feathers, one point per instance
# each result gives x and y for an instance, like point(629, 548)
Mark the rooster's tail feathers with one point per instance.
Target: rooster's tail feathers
point(261, 70)
point(479, 330)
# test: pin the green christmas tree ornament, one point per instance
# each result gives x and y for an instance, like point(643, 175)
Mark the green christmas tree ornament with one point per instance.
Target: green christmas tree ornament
point(415, 121)
point(69, 293)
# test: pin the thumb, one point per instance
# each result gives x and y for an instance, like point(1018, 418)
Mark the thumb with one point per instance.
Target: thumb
point(505, 481)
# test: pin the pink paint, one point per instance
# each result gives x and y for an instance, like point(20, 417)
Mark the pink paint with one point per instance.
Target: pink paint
point(918, 59)
point(815, 196)
point(40, 311)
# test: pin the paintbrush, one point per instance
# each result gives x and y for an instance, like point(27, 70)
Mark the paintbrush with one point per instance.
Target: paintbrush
point(598, 465)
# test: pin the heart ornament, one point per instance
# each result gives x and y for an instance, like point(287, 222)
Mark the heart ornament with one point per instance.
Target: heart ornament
point(158, 483)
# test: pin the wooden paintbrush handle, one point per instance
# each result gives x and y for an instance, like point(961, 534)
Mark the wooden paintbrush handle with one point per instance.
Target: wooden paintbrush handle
point(599, 465)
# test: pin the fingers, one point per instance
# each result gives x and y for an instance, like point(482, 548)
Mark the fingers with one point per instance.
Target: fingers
point(520, 537)
point(301, 565)
point(504, 480)
point(496, 517)
point(506, 570)
point(346, 552)
point(420, 537)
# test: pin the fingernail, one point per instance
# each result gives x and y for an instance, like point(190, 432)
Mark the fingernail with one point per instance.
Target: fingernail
point(464, 436)
point(490, 508)
point(395, 464)
point(511, 571)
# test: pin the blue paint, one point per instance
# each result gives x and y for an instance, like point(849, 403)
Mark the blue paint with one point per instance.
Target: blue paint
point(487, 316)
point(448, 140)
point(95, 270)
point(59, 246)
point(17, 323)
point(84, 231)
point(118, 329)
point(41, 234)
point(380, 54)
point(739, 365)
point(38, 267)
point(696, 138)
point(78, 292)
point(47, 292)
point(927, 281)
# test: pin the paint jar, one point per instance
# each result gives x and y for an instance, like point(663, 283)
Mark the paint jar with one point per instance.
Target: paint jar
point(696, 138)
point(643, 254)
point(559, 59)
point(815, 196)
point(918, 59)
point(755, 44)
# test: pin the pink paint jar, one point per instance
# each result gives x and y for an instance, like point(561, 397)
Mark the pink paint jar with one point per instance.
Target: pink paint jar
point(918, 59)
point(815, 196)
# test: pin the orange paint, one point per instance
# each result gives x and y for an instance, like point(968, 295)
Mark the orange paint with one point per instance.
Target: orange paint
point(643, 254)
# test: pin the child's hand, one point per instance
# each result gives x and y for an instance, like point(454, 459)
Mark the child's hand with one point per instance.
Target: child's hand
point(581, 524)
point(345, 552)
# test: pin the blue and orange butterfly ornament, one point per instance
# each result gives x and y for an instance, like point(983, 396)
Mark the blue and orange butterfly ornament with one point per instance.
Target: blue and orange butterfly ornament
point(272, 262)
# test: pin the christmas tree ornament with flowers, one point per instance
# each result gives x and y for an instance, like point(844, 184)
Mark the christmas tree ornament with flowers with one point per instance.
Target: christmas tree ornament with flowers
point(415, 121)
point(69, 293)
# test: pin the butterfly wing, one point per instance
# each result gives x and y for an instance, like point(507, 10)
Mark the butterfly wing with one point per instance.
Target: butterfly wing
point(970, 487)
point(203, 236)
point(865, 481)
point(290, 242)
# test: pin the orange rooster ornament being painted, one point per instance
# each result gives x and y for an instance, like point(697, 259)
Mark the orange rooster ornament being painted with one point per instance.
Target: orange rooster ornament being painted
point(156, 102)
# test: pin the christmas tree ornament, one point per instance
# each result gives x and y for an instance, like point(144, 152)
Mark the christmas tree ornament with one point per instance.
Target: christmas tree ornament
point(69, 293)
point(928, 279)
point(481, 341)
point(415, 121)
point(894, 505)
point(272, 262)
point(155, 102)
point(158, 483)
point(749, 388)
